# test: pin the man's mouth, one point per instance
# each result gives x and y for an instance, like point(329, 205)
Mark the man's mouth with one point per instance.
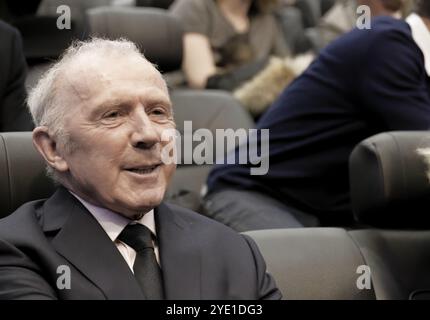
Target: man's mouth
point(144, 170)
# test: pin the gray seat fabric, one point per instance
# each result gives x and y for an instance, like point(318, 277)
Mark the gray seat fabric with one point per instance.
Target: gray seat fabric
point(291, 23)
point(22, 172)
point(399, 262)
point(390, 189)
point(42, 40)
point(185, 189)
point(313, 263)
point(163, 47)
point(311, 11)
point(321, 263)
point(389, 186)
point(77, 9)
point(211, 110)
point(310, 263)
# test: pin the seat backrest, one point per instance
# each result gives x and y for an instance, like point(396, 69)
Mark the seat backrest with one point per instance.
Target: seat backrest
point(23, 172)
point(390, 190)
point(207, 109)
point(78, 10)
point(329, 263)
point(399, 262)
point(155, 31)
point(211, 110)
point(42, 39)
point(313, 263)
point(389, 186)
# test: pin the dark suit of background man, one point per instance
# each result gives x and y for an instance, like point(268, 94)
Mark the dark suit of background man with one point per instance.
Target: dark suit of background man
point(366, 82)
point(13, 113)
point(100, 113)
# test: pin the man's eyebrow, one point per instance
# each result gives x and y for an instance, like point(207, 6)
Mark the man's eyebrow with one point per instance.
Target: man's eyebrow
point(105, 105)
point(112, 103)
point(159, 99)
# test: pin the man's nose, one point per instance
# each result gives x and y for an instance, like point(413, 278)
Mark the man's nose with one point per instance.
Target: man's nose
point(145, 134)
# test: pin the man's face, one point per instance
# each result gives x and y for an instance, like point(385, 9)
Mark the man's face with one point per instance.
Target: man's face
point(116, 119)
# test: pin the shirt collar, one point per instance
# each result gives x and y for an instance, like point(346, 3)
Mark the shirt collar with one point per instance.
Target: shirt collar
point(112, 222)
point(421, 35)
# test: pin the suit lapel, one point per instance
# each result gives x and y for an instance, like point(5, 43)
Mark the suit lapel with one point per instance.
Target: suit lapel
point(82, 241)
point(179, 256)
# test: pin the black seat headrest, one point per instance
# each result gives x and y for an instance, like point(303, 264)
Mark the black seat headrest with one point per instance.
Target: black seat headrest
point(42, 40)
point(155, 31)
point(22, 172)
point(389, 185)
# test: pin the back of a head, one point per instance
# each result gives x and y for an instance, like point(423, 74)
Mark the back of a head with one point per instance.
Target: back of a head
point(423, 8)
point(393, 5)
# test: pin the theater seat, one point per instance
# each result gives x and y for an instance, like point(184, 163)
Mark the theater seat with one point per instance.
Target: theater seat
point(313, 263)
point(22, 172)
point(399, 261)
point(390, 193)
point(391, 199)
point(389, 186)
point(308, 263)
point(158, 34)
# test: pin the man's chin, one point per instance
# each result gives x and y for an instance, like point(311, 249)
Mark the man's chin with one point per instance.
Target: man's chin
point(144, 207)
point(136, 213)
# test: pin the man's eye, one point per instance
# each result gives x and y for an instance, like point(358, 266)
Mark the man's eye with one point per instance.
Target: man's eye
point(158, 112)
point(112, 115)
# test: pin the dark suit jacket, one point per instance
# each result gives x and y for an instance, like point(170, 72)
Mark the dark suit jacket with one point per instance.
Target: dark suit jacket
point(200, 258)
point(364, 83)
point(13, 113)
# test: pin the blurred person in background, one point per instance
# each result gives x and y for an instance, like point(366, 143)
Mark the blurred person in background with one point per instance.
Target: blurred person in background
point(13, 70)
point(226, 42)
point(366, 82)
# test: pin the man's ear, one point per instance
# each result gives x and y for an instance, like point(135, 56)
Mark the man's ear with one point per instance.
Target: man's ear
point(47, 147)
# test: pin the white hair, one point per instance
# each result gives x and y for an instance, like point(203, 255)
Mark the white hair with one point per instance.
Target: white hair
point(47, 100)
point(44, 100)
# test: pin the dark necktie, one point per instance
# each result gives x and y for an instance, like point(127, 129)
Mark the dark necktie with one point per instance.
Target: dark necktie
point(146, 269)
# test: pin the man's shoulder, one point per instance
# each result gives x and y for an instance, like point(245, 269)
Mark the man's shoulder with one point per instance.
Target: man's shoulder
point(193, 218)
point(202, 225)
point(387, 23)
point(22, 222)
point(380, 28)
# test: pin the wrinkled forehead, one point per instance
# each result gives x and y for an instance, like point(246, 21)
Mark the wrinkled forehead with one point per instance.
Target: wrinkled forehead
point(92, 75)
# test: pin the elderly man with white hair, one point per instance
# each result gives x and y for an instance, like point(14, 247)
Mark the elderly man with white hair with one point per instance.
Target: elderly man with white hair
point(100, 113)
